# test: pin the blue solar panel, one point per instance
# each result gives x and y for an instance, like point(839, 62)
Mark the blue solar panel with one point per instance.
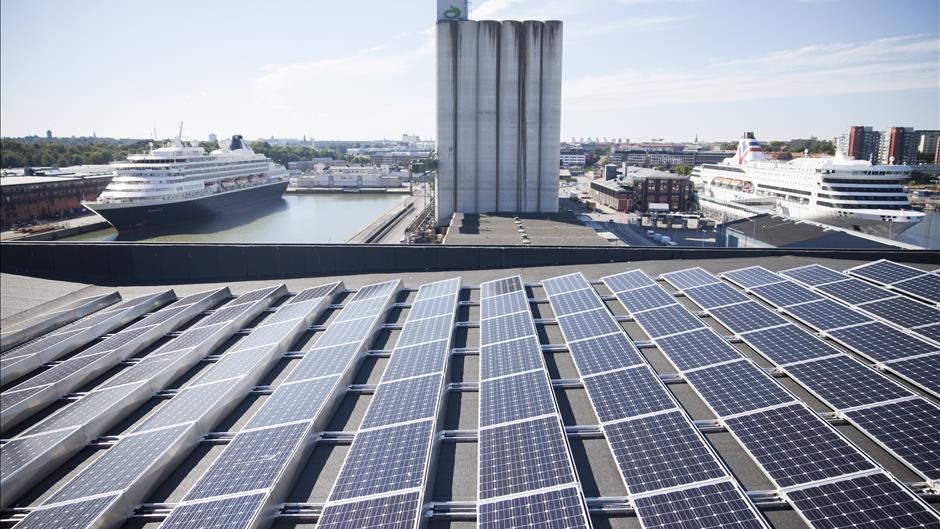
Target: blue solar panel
point(844, 382)
point(500, 286)
point(668, 320)
point(737, 387)
point(562, 284)
point(77, 514)
point(515, 397)
point(854, 291)
point(510, 357)
point(752, 277)
point(321, 362)
point(789, 343)
point(714, 295)
point(910, 429)
point(557, 509)
point(628, 280)
point(604, 353)
point(387, 512)
point(904, 312)
point(924, 370)
point(502, 305)
point(746, 317)
point(576, 301)
point(229, 513)
point(646, 298)
point(926, 286)
point(504, 328)
point(814, 275)
point(627, 393)
point(298, 401)
point(417, 360)
point(587, 324)
point(881, 342)
point(404, 400)
point(785, 293)
point(693, 277)
point(661, 451)
point(697, 349)
point(886, 272)
point(826, 314)
point(720, 505)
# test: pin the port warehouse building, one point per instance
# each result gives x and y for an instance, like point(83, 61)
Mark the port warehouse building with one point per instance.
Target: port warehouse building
point(457, 461)
point(26, 198)
point(643, 187)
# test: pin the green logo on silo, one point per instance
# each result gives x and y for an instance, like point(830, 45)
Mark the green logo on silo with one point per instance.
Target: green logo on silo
point(453, 13)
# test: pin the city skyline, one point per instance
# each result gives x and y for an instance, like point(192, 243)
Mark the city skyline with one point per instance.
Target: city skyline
point(632, 68)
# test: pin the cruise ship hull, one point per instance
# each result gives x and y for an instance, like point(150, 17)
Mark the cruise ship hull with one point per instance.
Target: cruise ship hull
point(129, 218)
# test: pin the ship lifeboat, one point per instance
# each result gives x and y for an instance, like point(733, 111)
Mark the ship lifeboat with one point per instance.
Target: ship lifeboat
point(227, 183)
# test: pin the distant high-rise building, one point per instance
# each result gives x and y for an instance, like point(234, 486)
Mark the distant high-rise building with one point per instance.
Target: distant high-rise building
point(898, 146)
point(860, 143)
point(498, 114)
point(927, 142)
point(213, 137)
point(48, 134)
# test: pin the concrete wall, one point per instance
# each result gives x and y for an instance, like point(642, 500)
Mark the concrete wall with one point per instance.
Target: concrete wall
point(498, 116)
point(152, 263)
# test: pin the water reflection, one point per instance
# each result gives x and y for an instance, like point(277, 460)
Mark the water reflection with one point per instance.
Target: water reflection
point(208, 225)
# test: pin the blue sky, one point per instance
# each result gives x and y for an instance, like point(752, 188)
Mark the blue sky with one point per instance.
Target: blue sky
point(365, 68)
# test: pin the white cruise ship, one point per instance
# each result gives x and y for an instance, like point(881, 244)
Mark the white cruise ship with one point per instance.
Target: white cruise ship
point(839, 191)
point(173, 184)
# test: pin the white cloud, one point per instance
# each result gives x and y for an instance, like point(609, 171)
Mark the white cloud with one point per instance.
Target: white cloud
point(626, 24)
point(883, 65)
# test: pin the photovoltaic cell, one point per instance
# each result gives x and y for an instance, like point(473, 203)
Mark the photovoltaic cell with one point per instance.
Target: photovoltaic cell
point(826, 314)
point(375, 290)
point(417, 360)
point(604, 353)
point(438, 289)
point(510, 357)
point(505, 328)
point(627, 393)
point(931, 331)
point(187, 406)
point(693, 277)
point(515, 397)
point(320, 362)
point(312, 293)
point(19, 451)
point(227, 513)
point(384, 460)
point(715, 295)
point(141, 371)
point(224, 314)
point(904, 312)
point(661, 451)
point(77, 514)
point(737, 387)
point(924, 370)
point(345, 332)
point(562, 284)
point(909, 428)
point(252, 461)
point(697, 349)
point(577, 301)
point(557, 509)
point(646, 298)
point(361, 309)
point(255, 295)
point(588, 324)
point(299, 401)
point(855, 291)
point(434, 307)
point(885, 272)
point(523, 456)
point(405, 400)
point(386, 512)
point(191, 338)
point(720, 505)
point(500, 286)
point(786, 293)
point(868, 502)
point(881, 342)
point(814, 275)
point(83, 410)
point(752, 277)
point(844, 382)
point(796, 446)
point(501, 305)
point(746, 317)
point(668, 320)
point(783, 345)
point(426, 330)
point(266, 335)
point(234, 364)
point(628, 280)
point(926, 286)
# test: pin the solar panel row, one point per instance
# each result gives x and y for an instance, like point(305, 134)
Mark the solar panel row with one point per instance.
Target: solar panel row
point(902, 278)
point(275, 440)
point(789, 442)
point(526, 474)
point(840, 381)
point(16, 333)
point(654, 443)
point(76, 424)
point(31, 395)
point(391, 450)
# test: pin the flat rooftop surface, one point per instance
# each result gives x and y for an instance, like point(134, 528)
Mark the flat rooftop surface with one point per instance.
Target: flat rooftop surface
point(539, 229)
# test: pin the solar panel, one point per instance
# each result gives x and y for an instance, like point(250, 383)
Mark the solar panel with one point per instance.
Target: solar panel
point(384, 460)
point(192, 338)
point(746, 317)
point(292, 311)
point(796, 446)
point(556, 509)
point(84, 409)
point(587, 324)
point(252, 461)
point(417, 360)
point(59, 372)
point(785, 293)
point(867, 502)
point(386, 512)
point(353, 331)
point(926, 286)
point(661, 451)
point(224, 314)
point(515, 397)
point(604, 353)
point(714, 295)
point(234, 364)
point(376, 290)
point(500, 286)
point(904, 312)
point(854, 291)
point(628, 280)
point(692, 277)
point(313, 293)
point(844, 382)
point(924, 370)
point(709, 506)
point(320, 362)
point(787, 344)
point(909, 428)
point(504, 328)
point(814, 275)
point(627, 393)
point(931, 331)
point(697, 349)
point(404, 400)
point(256, 295)
point(269, 335)
point(426, 330)
point(446, 287)
point(501, 305)
point(188, 405)
point(646, 298)
point(826, 314)
point(120, 465)
point(577, 301)
point(737, 387)
point(881, 342)
point(361, 309)
point(77, 514)
point(562, 284)
point(885, 272)
point(299, 401)
point(668, 320)
point(752, 277)
point(20, 451)
point(523, 456)
point(434, 307)
point(226, 513)
point(146, 369)
point(510, 357)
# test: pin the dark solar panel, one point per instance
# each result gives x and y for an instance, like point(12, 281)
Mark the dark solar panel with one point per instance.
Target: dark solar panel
point(402, 401)
point(737, 387)
point(752, 277)
point(562, 284)
point(506, 358)
point(924, 370)
point(855, 291)
point(587, 324)
point(814, 275)
point(904, 312)
point(720, 505)
point(320, 362)
point(577, 301)
point(881, 342)
point(926, 286)
point(693, 277)
point(628, 280)
point(746, 317)
point(697, 349)
point(388, 512)
point(715, 295)
point(789, 343)
point(627, 393)
point(668, 320)
point(504, 328)
point(229, 513)
point(515, 397)
point(910, 429)
point(417, 360)
point(646, 298)
point(502, 305)
point(500, 286)
point(785, 293)
point(826, 314)
point(557, 509)
point(299, 401)
point(604, 353)
point(844, 382)
point(79, 514)
point(886, 272)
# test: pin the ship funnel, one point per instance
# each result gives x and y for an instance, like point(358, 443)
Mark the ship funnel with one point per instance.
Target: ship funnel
point(236, 142)
point(748, 149)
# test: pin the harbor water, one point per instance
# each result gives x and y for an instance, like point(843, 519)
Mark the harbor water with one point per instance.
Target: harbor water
point(314, 218)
